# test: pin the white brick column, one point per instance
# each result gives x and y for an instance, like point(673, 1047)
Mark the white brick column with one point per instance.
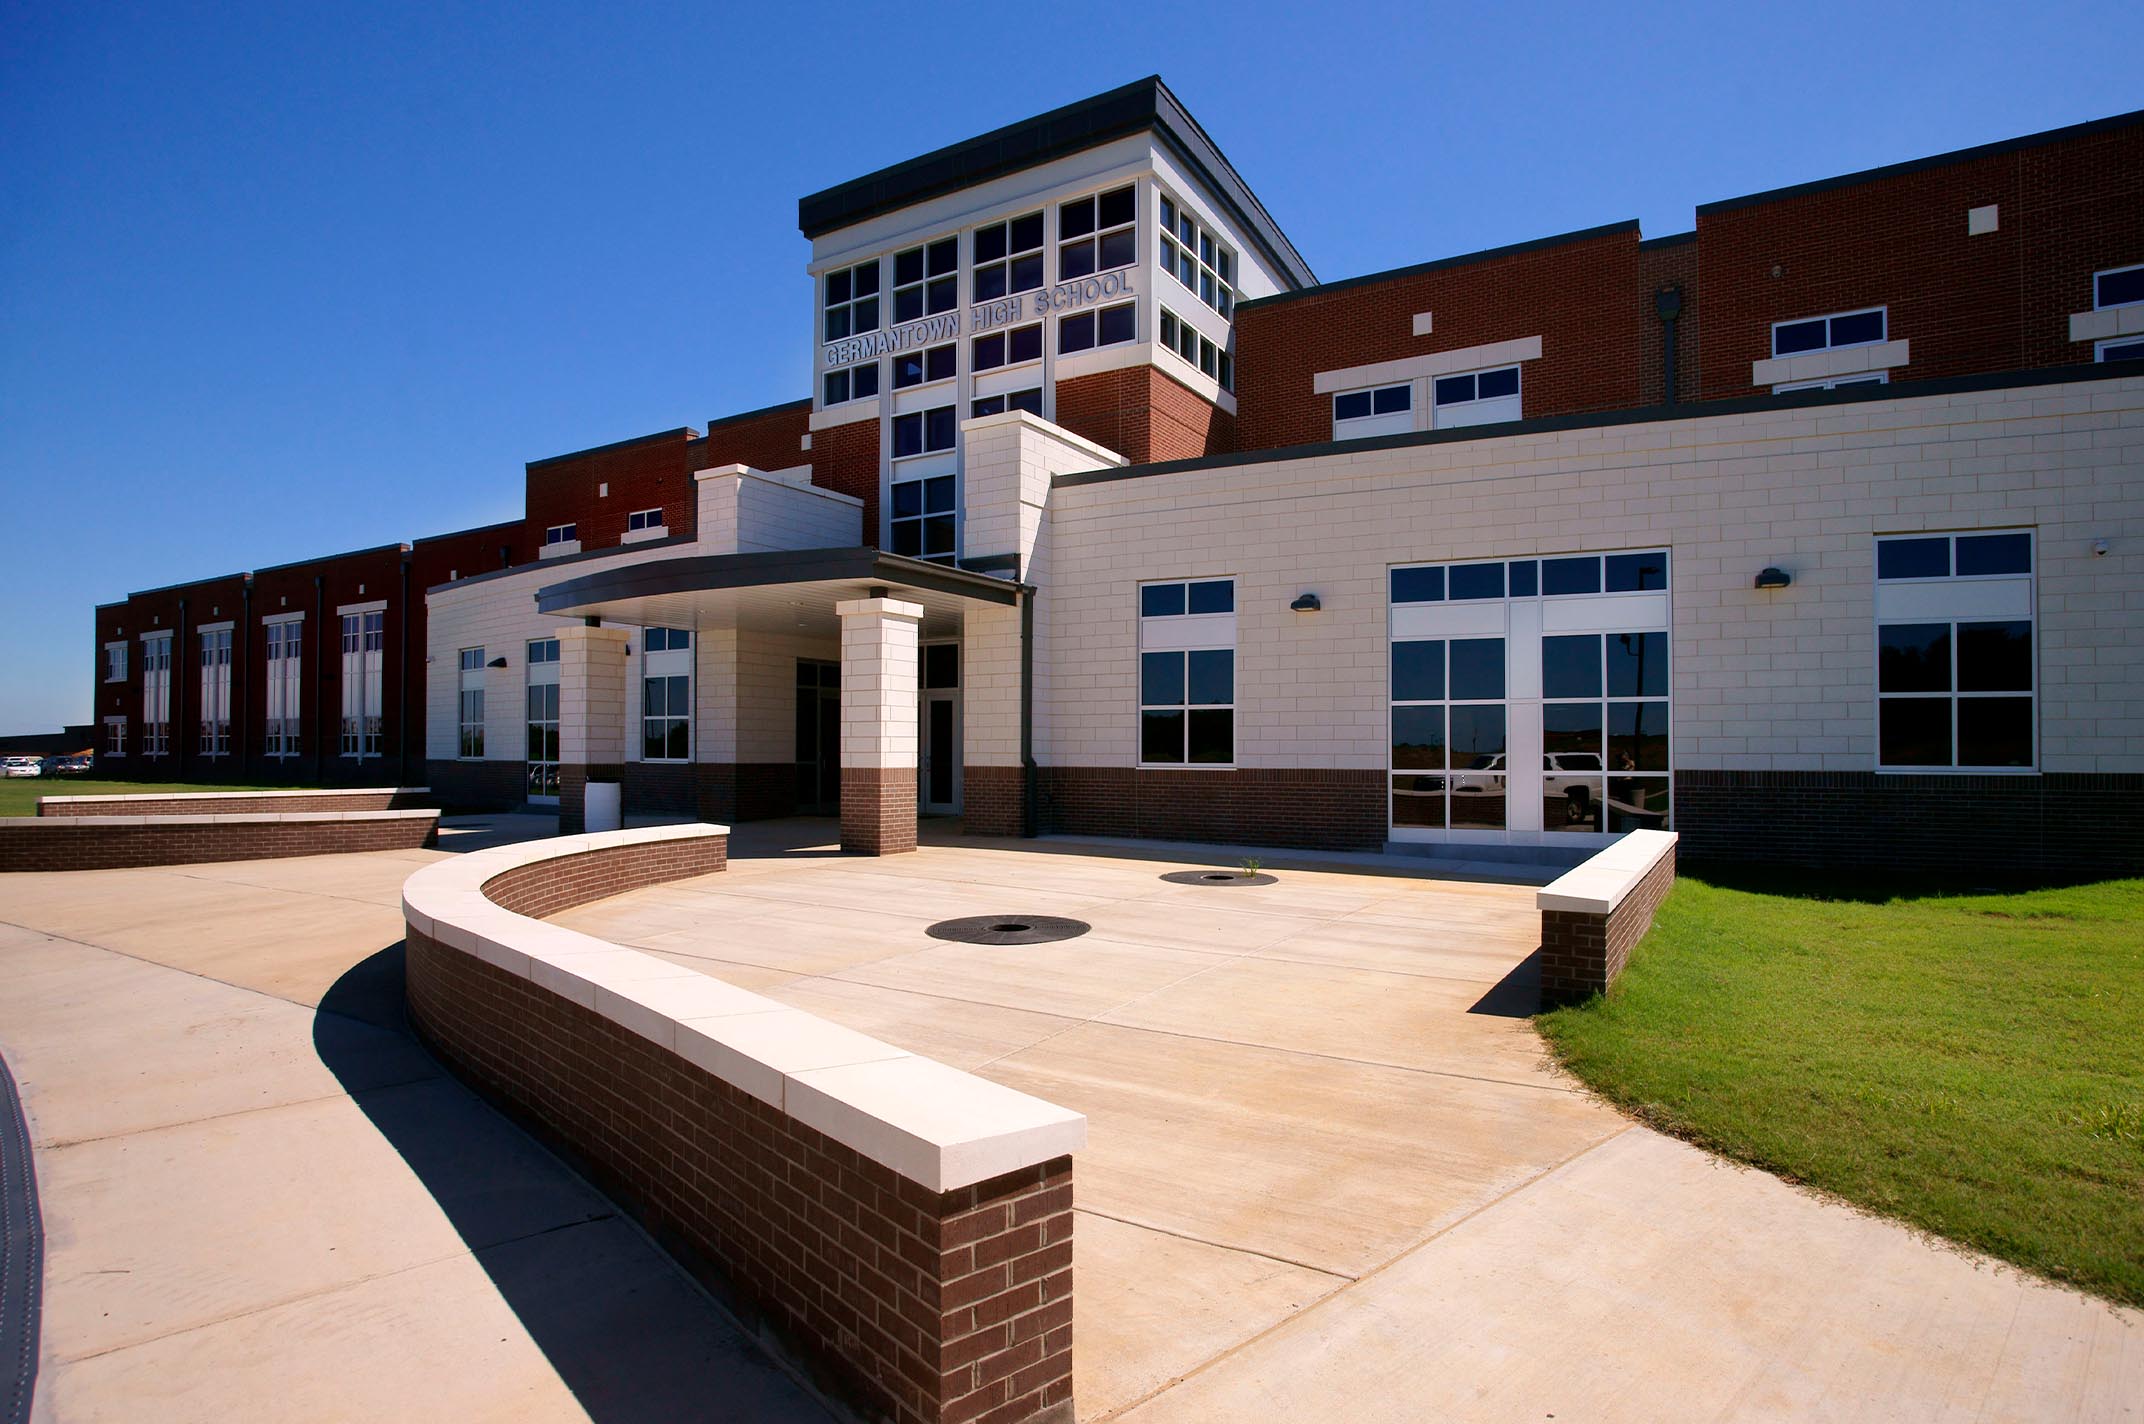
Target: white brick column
point(878, 724)
point(591, 715)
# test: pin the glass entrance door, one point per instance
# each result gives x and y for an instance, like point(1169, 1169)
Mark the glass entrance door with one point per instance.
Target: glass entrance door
point(938, 762)
point(543, 722)
point(818, 724)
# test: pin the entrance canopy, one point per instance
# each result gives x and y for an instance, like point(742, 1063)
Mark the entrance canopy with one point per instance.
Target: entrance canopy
point(786, 591)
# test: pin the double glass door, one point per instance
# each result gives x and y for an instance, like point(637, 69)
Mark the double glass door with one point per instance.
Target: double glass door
point(818, 728)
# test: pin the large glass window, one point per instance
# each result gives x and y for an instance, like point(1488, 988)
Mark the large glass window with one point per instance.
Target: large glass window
point(1029, 400)
point(915, 368)
point(1008, 257)
point(851, 296)
point(1373, 410)
point(1187, 673)
point(2118, 287)
point(926, 280)
point(1007, 348)
point(115, 662)
point(923, 432)
point(1097, 233)
point(1195, 257)
point(1956, 679)
point(363, 648)
point(543, 719)
point(1604, 731)
point(1449, 724)
point(216, 692)
point(1828, 333)
point(156, 694)
point(1180, 338)
point(1111, 326)
point(471, 703)
point(666, 694)
point(851, 383)
point(285, 641)
point(1477, 397)
point(924, 519)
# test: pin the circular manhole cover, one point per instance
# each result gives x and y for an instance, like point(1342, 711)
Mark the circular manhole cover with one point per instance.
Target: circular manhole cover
point(1008, 929)
point(1216, 877)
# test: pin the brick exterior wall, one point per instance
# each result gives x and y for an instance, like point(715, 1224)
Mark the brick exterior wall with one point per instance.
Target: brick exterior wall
point(1261, 806)
point(1144, 414)
point(1576, 295)
point(750, 791)
point(209, 803)
point(478, 785)
point(919, 1306)
point(1581, 954)
point(659, 788)
point(771, 439)
point(644, 473)
point(1668, 262)
point(878, 809)
point(75, 843)
point(2058, 825)
point(993, 800)
point(844, 458)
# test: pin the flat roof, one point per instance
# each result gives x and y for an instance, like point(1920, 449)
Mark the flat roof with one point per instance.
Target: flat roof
point(1437, 264)
point(1145, 105)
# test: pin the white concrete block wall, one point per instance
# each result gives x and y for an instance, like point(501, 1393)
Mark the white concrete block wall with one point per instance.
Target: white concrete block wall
point(743, 510)
point(1762, 680)
point(878, 681)
point(766, 706)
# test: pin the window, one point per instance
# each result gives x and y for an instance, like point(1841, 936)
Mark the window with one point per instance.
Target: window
point(472, 702)
point(1182, 339)
point(1379, 410)
point(1008, 257)
point(115, 736)
point(1476, 397)
point(1187, 673)
point(1448, 732)
point(923, 432)
point(923, 519)
point(1956, 686)
point(2118, 287)
point(643, 519)
point(1865, 378)
point(915, 368)
point(1193, 256)
point(666, 695)
point(363, 639)
point(941, 666)
point(1108, 327)
point(115, 662)
point(1604, 710)
point(2128, 348)
point(1097, 233)
point(1828, 333)
point(1007, 348)
point(285, 640)
point(216, 692)
point(543, 719)
point(852, 383)
point(926, 280)
point(851, 301)
point(156, 694)
point(561, 534)
point(1029, 400)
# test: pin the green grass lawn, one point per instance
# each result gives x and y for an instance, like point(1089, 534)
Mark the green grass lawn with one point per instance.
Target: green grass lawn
point(1972, 1064)
point(18, 795)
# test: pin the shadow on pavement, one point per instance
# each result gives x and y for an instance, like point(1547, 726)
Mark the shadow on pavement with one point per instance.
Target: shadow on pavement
point(630, 1336)
point(1515, 996)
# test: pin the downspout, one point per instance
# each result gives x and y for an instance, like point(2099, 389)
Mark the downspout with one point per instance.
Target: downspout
point(402, 691)
point(320, 673)
point(1667, 305)
point(1030, 807)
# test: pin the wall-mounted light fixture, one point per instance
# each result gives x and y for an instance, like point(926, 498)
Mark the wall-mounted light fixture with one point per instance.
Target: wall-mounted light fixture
point(496, 662)
point(1306, 603)
point(1774, 578)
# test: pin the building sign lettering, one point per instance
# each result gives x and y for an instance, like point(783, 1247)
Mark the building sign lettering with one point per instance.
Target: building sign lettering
point(931, 329)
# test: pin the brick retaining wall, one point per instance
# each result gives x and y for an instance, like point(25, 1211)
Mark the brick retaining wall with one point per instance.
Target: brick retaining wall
point(1274, 806)
point(128, 842)
point(237, 803)
point(1583, 950)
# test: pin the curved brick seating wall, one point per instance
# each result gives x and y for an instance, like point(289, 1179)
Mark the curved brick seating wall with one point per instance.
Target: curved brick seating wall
point(1593, 915)
point(130, 842)
point(902, 1228)
point(254, 803)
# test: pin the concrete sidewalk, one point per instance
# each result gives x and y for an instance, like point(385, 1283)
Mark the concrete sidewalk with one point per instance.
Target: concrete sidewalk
point(263, 1201)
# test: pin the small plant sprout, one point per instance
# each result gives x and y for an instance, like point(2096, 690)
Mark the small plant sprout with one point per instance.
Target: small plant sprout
point(1250, 866)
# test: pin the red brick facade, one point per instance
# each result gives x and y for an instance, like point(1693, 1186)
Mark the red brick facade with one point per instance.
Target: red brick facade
point(94, 843)
point(1272, 806)
point(771, 439)
point(244, 804)
point(1145, 415)
point(597, 490)
point(993, 800)
point(878, 809)
point(844, 458)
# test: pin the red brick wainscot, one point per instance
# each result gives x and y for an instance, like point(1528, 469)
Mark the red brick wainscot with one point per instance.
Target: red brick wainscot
point(237, 803)
point(128, 842)
point(1594, 915)
point(902, 1229)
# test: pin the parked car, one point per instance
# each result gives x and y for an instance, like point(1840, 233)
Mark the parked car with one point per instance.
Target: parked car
point(1572, 777)
point(22, 766)
point(79, 764)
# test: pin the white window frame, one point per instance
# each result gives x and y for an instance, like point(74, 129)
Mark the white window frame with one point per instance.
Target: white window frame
point(847, 380)
point(2100, 349)
point(1829, 345)
point(1197, 350)
point(561, 534)
point(364, 649)
point(156, 651)
point(642, 519)
point(1040, 252)
point(1186, 633)
point(2097, 304)
point(925, 357)
point(541, 667)
point(470, 671)
point(115, 661)
point(1362, 427)
point(115, 737)
point(1832, 383)
point(1004, 336)
point(1094, 235)
point(663, 661)
point(215, 691)
point(922, 480)
point(1029, 399)
point(1184, 240)
point(1478, 409)
point(2030, 579)
point(1093, 317)
point(848, 306)
point(932, 286)
point(284, 657)
point(923, 426)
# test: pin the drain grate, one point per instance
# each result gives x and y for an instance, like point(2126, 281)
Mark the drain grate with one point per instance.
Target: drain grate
point(1216, 877)
point(1008, 929)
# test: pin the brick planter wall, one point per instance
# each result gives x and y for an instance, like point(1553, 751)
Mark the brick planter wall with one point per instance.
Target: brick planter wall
point(1267, 806)
point(237, 803)
point(1583, 952)
point(124, 842)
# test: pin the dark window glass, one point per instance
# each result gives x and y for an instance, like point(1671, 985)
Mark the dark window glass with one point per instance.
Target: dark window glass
point(1571, 575)
point(1638, 736)
point(1525, 579)
point(1571, 665)
point(1453, 389)
point(938, 363)
point(938, 494)
point(1995, 731)
point(1212, 677)
point(907, 435)
point(1387, 399)
point(1417, 585)
point(1418, 672)
point(1994, 554)
point(1118, 323)
point(1858, 329)
point(1075, 333)
point(990, 282)
point(1161, 600)
point(1637, 664)
point(1116, 206)
point(1477, 581)
point(942, 294)
point(1026, 342)
point(941, 665)
point(944, 255)
point(990, 242)
point(1477, 736)
point(866, 309)
point(908, 538)
point(1637, 803)
point(1914, 731)
point(1491, 384)
point(1027, 232)
point(1570, 729)
point(1161, 736)
point(867, 281)
point(937, 536)
point(1477, 668)
point(1075, 260)
point(1912, 558)
point(1798, 336)
point(1994, 657)
point(1213, 735)
point(908, 369)
point(1418, 801)
point(1027, 272)
point(1913, 657)
point(1029, 400)
point(1352, 405)
point(837, 387)
point(908, 266)
point(989, 352)
point(2114, 289)
point(907, 303)
point(2126, 351)
point(988, 405)
point(1119, 249)
point(938, 428)
point(907, 499)
point(1212, 596)
point(837, 287)
point(837, 324)
point(863, 381)
point(1418, 738)
point(1630, 573)
point(1076, 218)
point(1478, 802)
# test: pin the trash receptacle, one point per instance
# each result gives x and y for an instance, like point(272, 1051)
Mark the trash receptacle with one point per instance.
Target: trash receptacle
point(600, 808)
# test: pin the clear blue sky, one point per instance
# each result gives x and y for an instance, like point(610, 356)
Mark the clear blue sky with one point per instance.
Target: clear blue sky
point(276, 282)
